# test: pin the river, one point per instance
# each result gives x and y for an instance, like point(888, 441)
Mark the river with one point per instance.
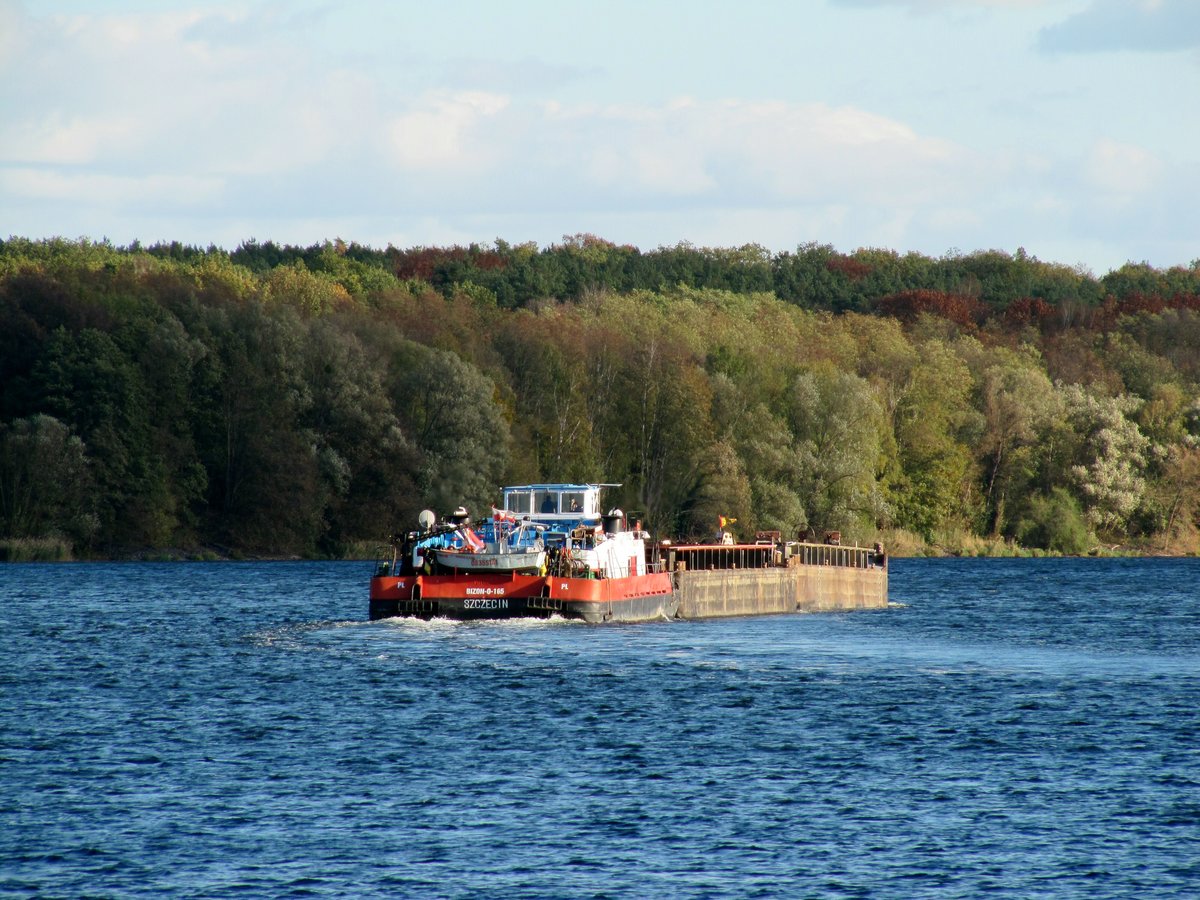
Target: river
point(1011, 728)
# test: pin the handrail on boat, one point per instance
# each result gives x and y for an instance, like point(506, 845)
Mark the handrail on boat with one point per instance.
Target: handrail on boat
point(703, 557)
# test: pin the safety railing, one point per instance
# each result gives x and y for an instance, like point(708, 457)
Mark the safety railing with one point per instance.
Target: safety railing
point(704, 557)
point(834, 555)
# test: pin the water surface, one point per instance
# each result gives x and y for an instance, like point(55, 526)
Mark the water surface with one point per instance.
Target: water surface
point(1008, 728)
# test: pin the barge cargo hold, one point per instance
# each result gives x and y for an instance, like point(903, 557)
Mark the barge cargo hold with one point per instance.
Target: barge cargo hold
point(599, 568)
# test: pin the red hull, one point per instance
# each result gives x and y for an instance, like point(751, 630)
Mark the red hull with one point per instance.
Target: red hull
point(634, 598)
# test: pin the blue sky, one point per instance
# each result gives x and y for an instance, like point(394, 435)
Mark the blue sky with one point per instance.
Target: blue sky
point(1068, 127)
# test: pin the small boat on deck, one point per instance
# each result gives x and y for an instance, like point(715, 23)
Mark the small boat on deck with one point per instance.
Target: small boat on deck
point(529, 563)
point(515, 546)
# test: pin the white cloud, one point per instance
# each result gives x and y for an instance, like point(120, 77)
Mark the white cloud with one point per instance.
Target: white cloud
point(766, 153)
point(662, 168)
point(257, 120)
point(151, 93)
point(443, 133)
point(14, 28)
point(112, 191)
point(172, 94)
point(77, 141)
point(525, 76)
point(1122, 170)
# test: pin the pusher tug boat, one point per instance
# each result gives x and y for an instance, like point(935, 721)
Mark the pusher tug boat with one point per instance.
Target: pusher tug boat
point(549, 550)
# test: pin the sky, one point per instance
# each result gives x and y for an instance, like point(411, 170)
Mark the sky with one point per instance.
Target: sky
point(1068, 128)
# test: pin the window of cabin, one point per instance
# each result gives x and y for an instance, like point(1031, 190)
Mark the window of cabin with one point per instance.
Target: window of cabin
point(518, 502)
point(545, 501)
point(572, 502)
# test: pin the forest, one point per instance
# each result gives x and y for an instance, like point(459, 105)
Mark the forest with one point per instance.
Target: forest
point(172, 401)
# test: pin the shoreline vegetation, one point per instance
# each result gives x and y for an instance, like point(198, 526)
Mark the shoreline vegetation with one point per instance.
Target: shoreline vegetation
point(905, 546)
point(285, 402)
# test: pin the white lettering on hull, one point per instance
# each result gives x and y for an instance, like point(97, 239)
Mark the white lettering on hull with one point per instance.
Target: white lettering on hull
point(494, 603)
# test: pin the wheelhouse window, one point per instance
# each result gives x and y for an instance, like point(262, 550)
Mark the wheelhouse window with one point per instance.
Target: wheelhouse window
point(518, 502)
point(545, 501)
point(572, 502)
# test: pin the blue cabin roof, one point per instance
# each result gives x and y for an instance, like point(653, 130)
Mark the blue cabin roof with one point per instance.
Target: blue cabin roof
point(559, 505)
point(557, 486)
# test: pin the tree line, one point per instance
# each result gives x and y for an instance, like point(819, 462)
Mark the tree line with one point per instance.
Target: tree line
point(283, 400)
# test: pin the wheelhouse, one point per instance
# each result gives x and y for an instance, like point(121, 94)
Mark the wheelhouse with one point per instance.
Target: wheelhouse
point(555, 502)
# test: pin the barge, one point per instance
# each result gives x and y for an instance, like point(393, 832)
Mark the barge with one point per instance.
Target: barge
point(551, 551)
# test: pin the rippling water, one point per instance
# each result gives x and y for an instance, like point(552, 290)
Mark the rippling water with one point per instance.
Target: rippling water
point(1015, 728)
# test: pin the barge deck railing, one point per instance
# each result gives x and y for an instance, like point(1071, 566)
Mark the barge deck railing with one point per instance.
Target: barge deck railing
point(705, 557)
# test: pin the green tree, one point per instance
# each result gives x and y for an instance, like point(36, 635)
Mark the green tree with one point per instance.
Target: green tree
point(546, 356)
point(265, 489)
point(166, 358)
point(1055, 523)
point(1111, 455)
point(448, 408)
point(838, 426)
point(650, 399)
point(1017, 401)
point(314, 293)
point(769, 462)
point(86, 381)
point(365, 462)
point(46, 489)
point(933, 412)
